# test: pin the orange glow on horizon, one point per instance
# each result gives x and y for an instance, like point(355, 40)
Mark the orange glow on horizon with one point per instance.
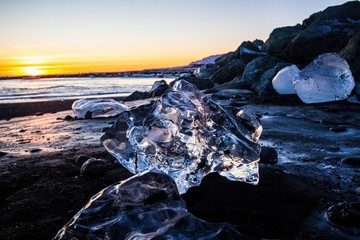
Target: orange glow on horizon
point(74, 64)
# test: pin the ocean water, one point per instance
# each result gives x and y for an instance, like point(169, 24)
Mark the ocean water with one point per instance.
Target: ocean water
point(46, 89)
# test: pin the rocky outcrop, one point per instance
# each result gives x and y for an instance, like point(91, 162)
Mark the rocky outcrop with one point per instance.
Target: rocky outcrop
point(279, 40)
point(326, 31)
point(351, 53)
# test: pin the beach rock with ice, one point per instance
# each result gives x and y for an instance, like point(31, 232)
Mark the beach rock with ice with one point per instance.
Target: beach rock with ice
point(145, 206)
point(259, 73)
point(158, 88)
point(327, 78)
point(187, 135)
point(97, 108)
point(283, 81)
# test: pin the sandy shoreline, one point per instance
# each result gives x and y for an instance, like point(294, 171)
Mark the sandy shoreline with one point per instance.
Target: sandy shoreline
point(41, 187)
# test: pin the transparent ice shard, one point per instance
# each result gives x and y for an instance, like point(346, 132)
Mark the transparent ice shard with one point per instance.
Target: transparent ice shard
point(97, 108)
point(145, 206)
point(283, 81)
point(187, 135)
point(327, 78)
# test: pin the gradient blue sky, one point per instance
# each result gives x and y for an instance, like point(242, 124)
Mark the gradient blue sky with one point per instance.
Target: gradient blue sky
point(108, 35)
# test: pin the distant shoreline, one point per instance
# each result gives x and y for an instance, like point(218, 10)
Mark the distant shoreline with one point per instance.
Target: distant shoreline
point(11, 110)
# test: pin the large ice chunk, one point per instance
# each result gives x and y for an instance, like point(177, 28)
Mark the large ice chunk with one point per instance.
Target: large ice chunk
point(146, 206)
point(97, 108)
point(283, 81)
point(187, 135)
point(327, 78)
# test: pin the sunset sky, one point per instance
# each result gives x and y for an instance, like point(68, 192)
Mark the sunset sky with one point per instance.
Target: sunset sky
point(73, 36)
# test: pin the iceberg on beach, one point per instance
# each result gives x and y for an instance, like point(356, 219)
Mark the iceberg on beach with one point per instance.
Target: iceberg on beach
point(327, 78)
point(283, 81)
point(97, 108)
point(145, 206)
point(187, 135)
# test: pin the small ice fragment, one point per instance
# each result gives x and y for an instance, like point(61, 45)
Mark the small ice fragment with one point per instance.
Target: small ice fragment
point(145, 206)
point(187, 135)
point(97, 108)
point(283, 81)
point(327, 78)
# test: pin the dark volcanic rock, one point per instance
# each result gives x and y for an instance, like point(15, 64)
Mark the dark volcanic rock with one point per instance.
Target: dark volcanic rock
point(158, 88)
point(94, 167)
point(268, 155)
point(68, 118)
point(351, 53)
point(81, 159)
point(137, 95)
point(200, 83)
point(258, 74)
point(279, 39)
point(326, 31)
point(352, 160)
point(35, 150)
point(345, 214)
point(229, 71)
point(338, 129)
point(3, 153)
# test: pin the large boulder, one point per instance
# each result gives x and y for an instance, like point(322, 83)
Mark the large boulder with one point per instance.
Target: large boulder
point(326, 31)
point(279, 40)
point(351, 53)
point(259, 73)
point(229, 71)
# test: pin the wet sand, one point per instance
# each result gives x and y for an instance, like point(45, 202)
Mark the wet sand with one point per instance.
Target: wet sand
point(41, 187)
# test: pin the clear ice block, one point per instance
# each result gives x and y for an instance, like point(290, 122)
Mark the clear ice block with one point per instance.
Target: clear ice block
point(97, 108)
point(187, 135)
point(145, 206)
point(327, 78)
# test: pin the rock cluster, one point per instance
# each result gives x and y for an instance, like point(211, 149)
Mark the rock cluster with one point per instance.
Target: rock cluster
point(253, 65)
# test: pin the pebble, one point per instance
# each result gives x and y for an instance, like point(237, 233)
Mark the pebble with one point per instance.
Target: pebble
point(344, 213)
point(88, 115)
point(22, 130)
point(94, 167)
point(338, 129)
point(68, 118)
point(332, 149)
point(351, 160)
point(39, 113)
point(268, 155)
point(2, 153)
point(35, 150)
point(80, 160)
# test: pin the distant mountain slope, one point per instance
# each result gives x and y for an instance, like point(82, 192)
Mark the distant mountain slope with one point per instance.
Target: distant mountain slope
point(206, 60)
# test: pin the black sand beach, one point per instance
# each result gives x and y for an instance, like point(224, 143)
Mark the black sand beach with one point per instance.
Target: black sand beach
point(41, 187)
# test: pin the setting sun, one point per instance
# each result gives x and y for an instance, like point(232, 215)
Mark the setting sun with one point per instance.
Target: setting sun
point(33, 71)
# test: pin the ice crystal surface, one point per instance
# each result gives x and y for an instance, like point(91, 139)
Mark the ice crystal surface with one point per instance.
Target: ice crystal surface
point(145, 206)
point(187, 135)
